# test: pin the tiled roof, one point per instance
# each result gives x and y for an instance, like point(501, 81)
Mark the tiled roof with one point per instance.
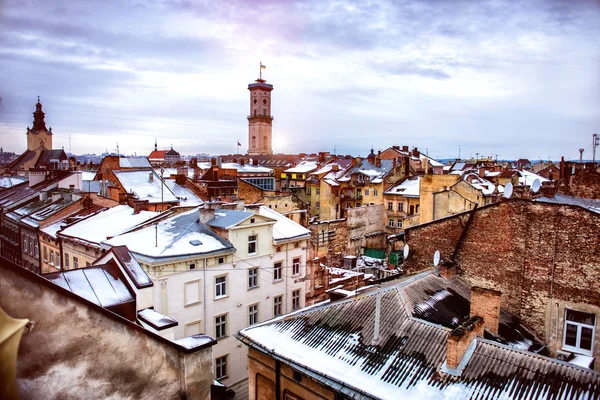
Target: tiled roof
point(341, 345)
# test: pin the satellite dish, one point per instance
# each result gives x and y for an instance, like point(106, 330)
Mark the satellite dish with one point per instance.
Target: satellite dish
point(436, 258)
point(405, 250)
point(508, 190)
point(535, 186)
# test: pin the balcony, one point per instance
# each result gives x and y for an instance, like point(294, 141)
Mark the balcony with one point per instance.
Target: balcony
point(359, 195)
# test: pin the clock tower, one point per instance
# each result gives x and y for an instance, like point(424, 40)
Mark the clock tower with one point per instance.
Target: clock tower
point(260, 121)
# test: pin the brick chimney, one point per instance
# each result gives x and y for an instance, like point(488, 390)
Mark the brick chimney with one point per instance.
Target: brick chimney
point(335, 167)
point(460, 339)
point(405, 148)
point(415, 152)
point(486, 303)
point(448, 269)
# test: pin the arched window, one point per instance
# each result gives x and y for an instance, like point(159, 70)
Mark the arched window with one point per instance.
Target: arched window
point(253, 141)
point(265, 143)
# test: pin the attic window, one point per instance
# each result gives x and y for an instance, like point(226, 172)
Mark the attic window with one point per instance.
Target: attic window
point(195, 242)
point(297, 376)
point(251, 220)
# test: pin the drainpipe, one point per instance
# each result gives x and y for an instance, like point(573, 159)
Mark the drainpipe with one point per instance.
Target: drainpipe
point(287, 271)
point(204, 293)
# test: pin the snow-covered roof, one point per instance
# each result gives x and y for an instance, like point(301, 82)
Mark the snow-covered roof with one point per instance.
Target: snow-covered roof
point(302, 168)
point(144, 187)
point(527, 178)
point(177, 236)
point(225, 219)
point(284, 228)
point(401, 355)
point(155, 319)
point(247, 168)
point(94, 284)
point(431, 161)
point(371, 170)
point(10, 181)
point(408, 188)
point(487, 188)
point(134, 162)
point(88, 175)
point(185, 195)
point(106, 224)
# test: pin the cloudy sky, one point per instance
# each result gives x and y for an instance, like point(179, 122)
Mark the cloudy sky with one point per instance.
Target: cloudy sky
point(512, 78)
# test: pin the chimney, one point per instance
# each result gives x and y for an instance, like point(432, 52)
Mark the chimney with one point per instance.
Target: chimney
point(335, 167)
point(151, 176)
point(481, 172)
point(415, 152)
point(242, 161)
point(405, 148)
point(213, 161)
point(486, 303)
point(562, 168)
point(206, 212)
point(255, 162)
point(460, 339)
point(394, 162)
point(406, 163)
point(396, 147)
point(378, 162)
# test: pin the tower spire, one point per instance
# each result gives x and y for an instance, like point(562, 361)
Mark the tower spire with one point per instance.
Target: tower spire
point(39, 122)
point(155, 145)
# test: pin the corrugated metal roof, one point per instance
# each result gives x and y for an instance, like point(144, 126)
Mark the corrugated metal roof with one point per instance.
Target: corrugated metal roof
point(228, 218)
point(134, 162)
point(336, 344)
point(592, 205)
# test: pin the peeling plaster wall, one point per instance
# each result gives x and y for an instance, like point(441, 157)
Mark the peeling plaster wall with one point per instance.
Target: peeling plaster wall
point(77, 351)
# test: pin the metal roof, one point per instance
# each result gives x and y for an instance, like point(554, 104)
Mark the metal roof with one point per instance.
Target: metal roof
point(341, 345)
point(134, 162)
point(225, 219)
point(592, 205)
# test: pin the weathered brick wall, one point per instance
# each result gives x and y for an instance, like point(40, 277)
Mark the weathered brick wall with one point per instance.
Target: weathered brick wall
point(585, 183)
point(536, 254)
point(424, 240)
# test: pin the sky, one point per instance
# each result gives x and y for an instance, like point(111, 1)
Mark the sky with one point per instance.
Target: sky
point(509, 79)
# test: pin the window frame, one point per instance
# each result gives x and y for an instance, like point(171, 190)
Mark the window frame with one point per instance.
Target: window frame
point(253, 239)
point(220, 287)
point(296, 295)
point(253, 278)
point(277, 305)
point(579, 325)
point(391, 222)
point(253, 313)
point(296, 262)
point(220, 326)
point(278, 271)
point(221, 367)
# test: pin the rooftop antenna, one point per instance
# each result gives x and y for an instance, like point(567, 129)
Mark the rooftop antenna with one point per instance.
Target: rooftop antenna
point(436, 258)
point(581, 156)
point(70, 143)
point(595, 142)
point(118, 148)
point(459, 152)
point(535, 186)
point(508, 190)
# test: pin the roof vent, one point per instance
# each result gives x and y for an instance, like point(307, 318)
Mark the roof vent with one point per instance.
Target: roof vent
point(195, 242)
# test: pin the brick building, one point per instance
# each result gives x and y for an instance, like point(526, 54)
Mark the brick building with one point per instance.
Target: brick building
point(542, 255)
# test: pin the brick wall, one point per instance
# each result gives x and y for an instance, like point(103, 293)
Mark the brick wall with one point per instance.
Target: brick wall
point(538, 255)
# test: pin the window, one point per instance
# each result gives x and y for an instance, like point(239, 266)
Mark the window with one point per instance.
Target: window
point(390, 206)
point(192, 328)
point(308, 190)
point(278, 249)
point(36, 251)
point(252, 244)
point(221, 286)
point(192, 266)
point(252, 314)
point(401, 207)
point(318, 204)
point(252, 278)
point(579, 331)
point(297, 245)
point(31, 247)
point(221, 367)
point(412, 210)
point(221, 260)
point(375, 192)
point(296, 299)
point(296, 266)
point(297, 376)
point(75, 263)
point(25, 246)
point(277, 306)
point(391, 223)
point(252, 220)
point(348, 205)
point(417, 208)
point(318, 191)
point(399, 223)
point(277, 271)
point(66, 260)
point(57, 260)
point(51, 257)
point(221, 326)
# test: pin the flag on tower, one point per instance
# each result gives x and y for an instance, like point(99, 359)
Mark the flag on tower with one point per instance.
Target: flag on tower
point(262, 66)
point(239, 144)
